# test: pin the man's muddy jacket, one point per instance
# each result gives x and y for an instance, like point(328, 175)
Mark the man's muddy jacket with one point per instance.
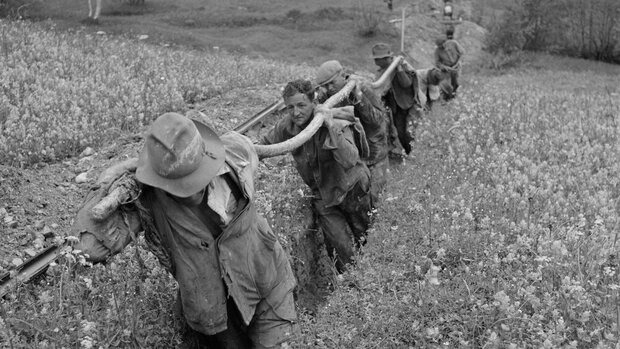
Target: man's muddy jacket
point(242, 259)
point(371, 112)
point(329, 163)
point(397, 95)
point(448, 54)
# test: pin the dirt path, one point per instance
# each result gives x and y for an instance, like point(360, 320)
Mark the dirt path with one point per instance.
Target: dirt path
point(311, 32)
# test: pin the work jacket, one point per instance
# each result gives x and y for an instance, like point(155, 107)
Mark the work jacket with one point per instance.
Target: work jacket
point(242, 259)
point(329, 162)
point(427, 90)
point(449, 54)
point(398, 95)
point(373, 116)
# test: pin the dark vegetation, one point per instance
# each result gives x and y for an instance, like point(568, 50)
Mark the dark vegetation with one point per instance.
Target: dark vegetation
point(578, 28)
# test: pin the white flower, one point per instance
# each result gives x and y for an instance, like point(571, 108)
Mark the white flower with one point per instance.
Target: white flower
point(87, 343)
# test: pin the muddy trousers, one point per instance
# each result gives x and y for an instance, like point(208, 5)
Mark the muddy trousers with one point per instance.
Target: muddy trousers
point(454, 79)
point(345, 225)
point(378, 179)
point(401, 118)
point(268, 330)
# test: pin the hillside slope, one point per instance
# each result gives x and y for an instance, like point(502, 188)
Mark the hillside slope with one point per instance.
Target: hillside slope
point(308, 32)
point(501, 231)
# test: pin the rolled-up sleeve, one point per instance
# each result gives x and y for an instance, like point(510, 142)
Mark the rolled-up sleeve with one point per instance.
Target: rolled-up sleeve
point(100, 239)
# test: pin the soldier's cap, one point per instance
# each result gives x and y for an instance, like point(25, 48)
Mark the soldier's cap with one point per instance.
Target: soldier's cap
point(381, 50)
point(180, 156)
point(328, 72)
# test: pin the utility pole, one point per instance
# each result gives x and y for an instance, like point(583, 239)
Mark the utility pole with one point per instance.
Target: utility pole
point(402, 29)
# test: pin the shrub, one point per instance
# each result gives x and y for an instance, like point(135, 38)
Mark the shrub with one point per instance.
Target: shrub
point(367, 18)
point(587, 29)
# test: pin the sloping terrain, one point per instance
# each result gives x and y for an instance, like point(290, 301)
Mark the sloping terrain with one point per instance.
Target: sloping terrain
point(298, 32)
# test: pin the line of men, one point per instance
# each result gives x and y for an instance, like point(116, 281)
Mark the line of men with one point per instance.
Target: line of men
point(196, 203)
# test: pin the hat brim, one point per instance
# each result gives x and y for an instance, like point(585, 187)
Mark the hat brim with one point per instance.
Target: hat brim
point(191, 184)
point(385, 55)
point(331, 78)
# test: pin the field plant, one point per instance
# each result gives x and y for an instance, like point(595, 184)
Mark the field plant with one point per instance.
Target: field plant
point(63, 91)
point(503, 230)
point(368, 18)
point(500, 232)
point(125, 304)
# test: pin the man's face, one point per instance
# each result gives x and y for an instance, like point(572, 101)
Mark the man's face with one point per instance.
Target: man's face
point(336, 84)
point(193, 200)
point(300, 108)
point(384, 62)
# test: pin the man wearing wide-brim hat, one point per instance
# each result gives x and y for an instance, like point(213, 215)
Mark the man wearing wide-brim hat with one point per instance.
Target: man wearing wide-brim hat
point(400, 95)
point(331, 77)
point(197, 209)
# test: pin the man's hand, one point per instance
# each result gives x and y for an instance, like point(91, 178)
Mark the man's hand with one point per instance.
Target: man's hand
point(356, 94)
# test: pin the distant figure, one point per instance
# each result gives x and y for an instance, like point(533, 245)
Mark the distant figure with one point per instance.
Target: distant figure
point(389, 4)
point(447, 10)
point(94, 15)
point(448, 58)
point(401, 95)
point(429, 81)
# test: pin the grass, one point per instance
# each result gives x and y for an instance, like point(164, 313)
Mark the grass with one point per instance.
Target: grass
point(65, 91)
point(501, 232)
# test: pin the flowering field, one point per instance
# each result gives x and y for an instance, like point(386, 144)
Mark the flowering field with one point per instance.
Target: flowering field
point(502, 232)
point(499, 233)
point(63, 91)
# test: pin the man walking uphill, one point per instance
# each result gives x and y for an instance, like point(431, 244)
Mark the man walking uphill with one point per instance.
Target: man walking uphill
point(330, 164)
point(197, 209)
point(400, 95)
point(448, 58)
point(429, 80)
point(368, 108)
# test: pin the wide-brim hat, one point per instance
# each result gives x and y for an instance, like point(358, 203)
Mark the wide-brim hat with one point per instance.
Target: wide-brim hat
point(180, 156)
point(381, 50)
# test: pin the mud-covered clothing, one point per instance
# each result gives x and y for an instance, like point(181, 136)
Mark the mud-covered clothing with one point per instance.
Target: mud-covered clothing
point(237, 334)
point(402, 97)
point(375, 119)
point(345, 224)
point(329, 163)
point(449, 54)
point(448, 58)
point(371, 112)
point(428, 92)
point(218, 250)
